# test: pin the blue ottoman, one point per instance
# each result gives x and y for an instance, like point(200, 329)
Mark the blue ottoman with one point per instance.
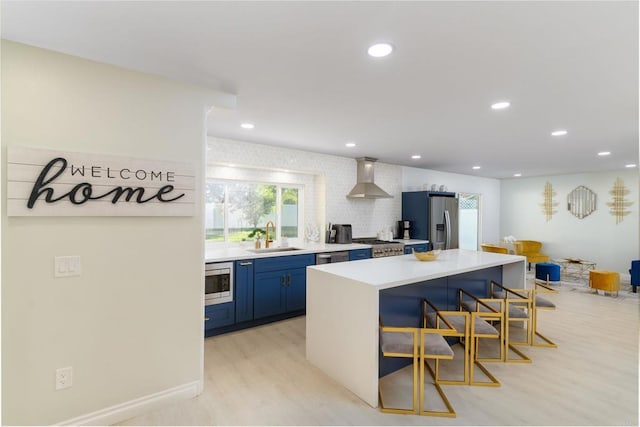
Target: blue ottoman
point(547, 272)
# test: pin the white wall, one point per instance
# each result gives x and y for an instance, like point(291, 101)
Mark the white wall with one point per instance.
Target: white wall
point(131, 324)
point(334, 177)
point(596, 237)
point(414, 179)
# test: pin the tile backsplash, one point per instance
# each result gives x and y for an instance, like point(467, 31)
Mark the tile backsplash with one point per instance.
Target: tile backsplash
point(327, 179)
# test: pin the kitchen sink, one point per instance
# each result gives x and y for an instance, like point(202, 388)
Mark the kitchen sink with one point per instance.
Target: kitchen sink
point(269, 250)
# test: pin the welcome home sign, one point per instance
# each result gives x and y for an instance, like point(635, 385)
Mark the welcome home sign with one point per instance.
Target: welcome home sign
point(53, 183)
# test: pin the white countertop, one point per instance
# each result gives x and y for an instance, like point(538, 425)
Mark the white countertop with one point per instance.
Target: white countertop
point(395, 271)
point(234, 253)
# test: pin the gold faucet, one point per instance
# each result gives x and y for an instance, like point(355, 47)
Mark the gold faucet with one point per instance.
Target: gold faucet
point(266, 232)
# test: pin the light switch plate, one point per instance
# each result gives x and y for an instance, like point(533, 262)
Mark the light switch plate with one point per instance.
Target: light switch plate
point(66, 266)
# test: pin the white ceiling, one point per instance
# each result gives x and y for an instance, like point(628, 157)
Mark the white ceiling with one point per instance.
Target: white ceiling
point(302, 75)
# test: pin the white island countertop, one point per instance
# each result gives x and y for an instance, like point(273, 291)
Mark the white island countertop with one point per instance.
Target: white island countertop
point(390, 272)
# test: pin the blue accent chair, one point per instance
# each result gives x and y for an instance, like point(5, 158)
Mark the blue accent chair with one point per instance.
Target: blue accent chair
point(635, 274)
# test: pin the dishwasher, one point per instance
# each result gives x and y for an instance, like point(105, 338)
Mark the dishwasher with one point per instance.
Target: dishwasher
point(332, 257)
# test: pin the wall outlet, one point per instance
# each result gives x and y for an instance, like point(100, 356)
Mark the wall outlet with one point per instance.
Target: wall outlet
point(64, 378)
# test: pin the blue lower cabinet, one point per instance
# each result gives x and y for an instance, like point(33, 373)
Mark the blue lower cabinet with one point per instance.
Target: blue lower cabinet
point(219, 315)
point(269, 294)
point(277, 292)
point(357, 254)
point(280, 285)
point(243, 291)
point(420, 247)
point(296, 290)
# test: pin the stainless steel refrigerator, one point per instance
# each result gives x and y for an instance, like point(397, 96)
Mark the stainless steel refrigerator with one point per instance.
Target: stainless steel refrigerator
point(443, 222)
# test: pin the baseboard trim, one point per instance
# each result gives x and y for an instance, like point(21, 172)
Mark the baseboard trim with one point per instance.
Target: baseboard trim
point(132, 408)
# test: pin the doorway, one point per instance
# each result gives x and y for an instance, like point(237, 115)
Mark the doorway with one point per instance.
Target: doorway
point(469, 225)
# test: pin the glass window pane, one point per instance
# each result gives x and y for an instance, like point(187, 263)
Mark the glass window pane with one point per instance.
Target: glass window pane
point(214, 212)
point(289, 212)
point(250, 207)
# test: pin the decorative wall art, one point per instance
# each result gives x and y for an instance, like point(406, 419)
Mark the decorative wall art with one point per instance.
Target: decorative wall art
point(581, 202)
point(618, 204)
point(548, 203)
point(56, 183)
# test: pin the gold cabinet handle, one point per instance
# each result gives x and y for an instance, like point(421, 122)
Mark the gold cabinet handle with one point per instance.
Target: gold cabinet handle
point(206, 319)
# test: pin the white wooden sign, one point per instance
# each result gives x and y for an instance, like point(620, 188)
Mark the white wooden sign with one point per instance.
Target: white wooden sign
point(53, 183)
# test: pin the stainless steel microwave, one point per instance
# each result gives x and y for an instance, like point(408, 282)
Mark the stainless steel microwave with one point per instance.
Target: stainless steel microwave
point(218, 283)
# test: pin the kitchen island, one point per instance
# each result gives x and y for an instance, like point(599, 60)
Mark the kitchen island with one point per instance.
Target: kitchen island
point(344, 302)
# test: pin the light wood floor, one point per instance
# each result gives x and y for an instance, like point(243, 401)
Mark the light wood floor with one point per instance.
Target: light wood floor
point(261, 377)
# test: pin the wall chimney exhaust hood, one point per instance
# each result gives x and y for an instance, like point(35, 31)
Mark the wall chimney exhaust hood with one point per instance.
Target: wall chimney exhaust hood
point(365, 188)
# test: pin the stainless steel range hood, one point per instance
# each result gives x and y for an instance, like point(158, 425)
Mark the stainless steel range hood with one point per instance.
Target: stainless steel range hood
point(365, 188)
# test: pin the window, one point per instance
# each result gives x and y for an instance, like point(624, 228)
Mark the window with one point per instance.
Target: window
point(237, 211)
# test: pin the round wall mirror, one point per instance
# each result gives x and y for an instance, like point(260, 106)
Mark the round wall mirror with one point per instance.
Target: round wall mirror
point(581, 202)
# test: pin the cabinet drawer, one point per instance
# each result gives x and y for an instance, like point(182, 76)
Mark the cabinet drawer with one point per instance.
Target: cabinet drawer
point(359, 254)
point(218, 315)
point(283, 262)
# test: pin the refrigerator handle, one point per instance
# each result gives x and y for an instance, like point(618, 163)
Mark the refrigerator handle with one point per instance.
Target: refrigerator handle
point(447, 224)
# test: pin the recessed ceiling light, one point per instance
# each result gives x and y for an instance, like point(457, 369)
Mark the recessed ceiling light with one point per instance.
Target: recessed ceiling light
point(380, 50)
point(475, 167)
point(350, 144)
point(630, 165)
point(604, 153)
point(517, 174)
point(500, 105)
point(416, 156)
point(247, 125)
point(560, 132)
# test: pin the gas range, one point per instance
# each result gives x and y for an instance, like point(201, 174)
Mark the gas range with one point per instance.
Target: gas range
point(381, 248)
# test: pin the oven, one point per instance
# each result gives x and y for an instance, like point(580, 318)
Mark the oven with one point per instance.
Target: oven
point(218, 283)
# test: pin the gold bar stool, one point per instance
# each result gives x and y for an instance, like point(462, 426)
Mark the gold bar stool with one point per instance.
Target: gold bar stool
point(400, 342)
point(433, 346)
point(404, 342)
point(540, 303)
point(518, 307)
point(481, 314)
point(457, 326)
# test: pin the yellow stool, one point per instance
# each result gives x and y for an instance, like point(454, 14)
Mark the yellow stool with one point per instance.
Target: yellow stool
point(608, 281)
